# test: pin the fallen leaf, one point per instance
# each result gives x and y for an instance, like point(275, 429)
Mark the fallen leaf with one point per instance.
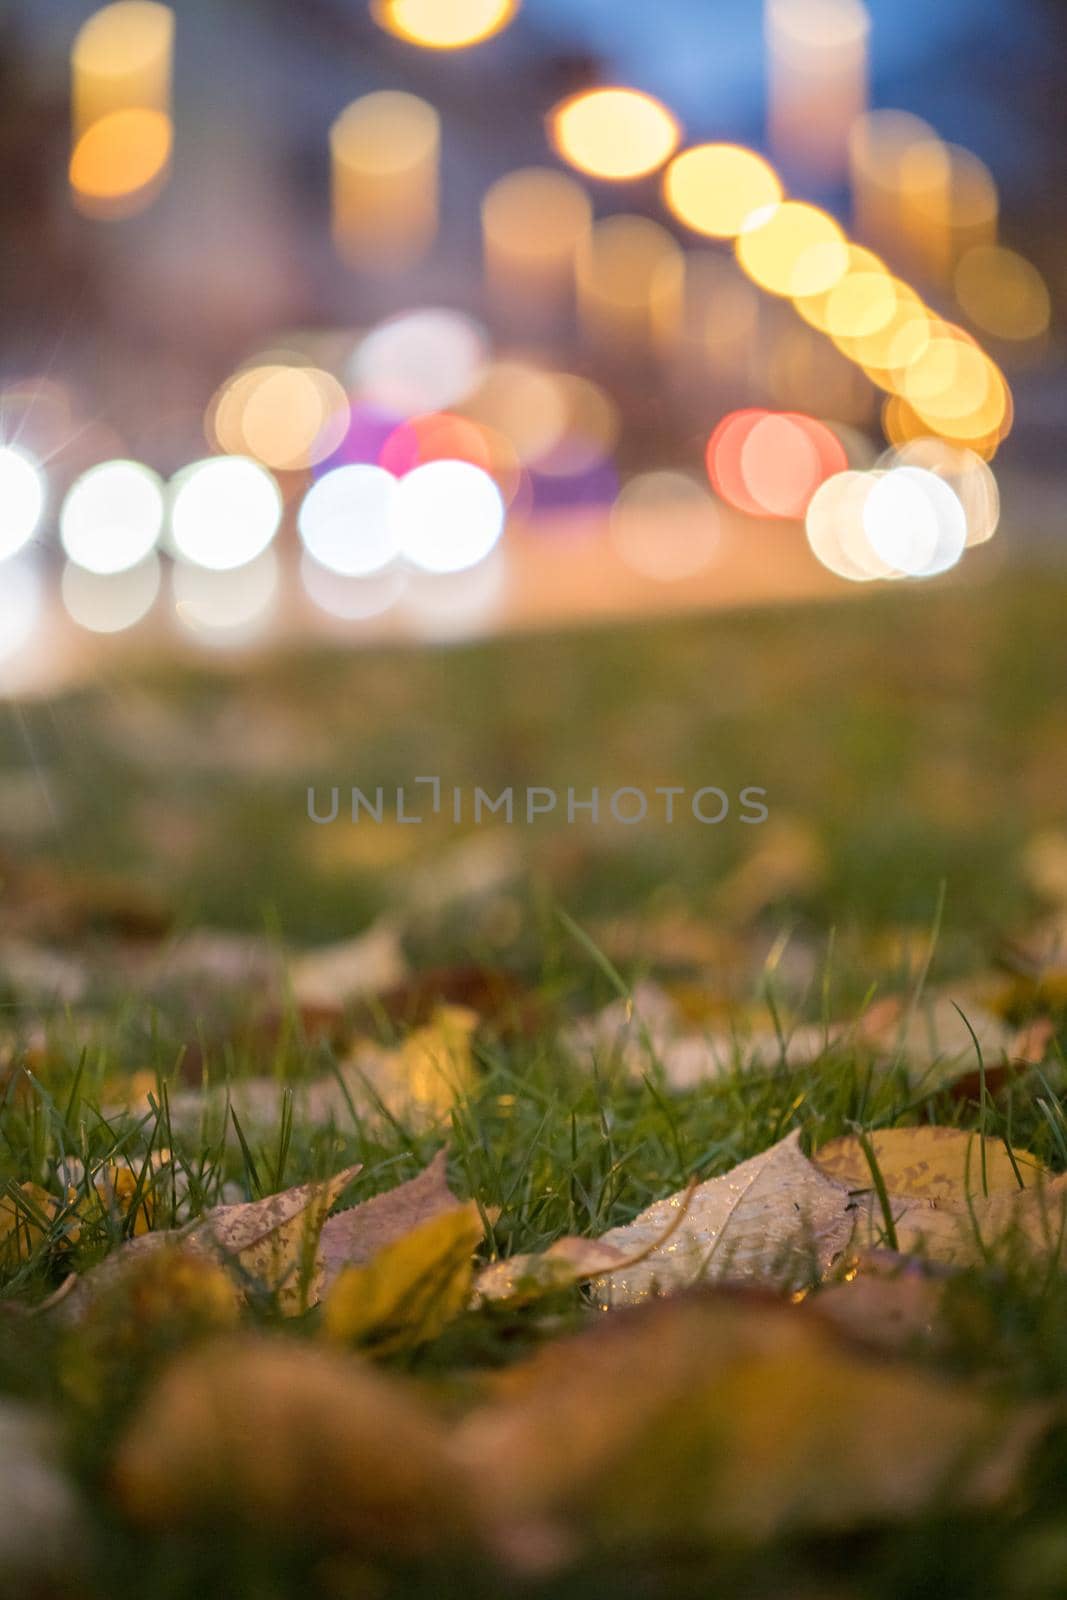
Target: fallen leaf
point(411, 1290)
point(352, 1238)
point(939, 1203)
point(287, 1437)
point(275, 1241)
point(422, 1079)
point(776, 1218)
point(520, 1279)
point(272, 1243)
point(729, 1416)
point(886, 1300)
point(25, 1217)
point(930, 1163)
point(337, 974)
point(416, 1083)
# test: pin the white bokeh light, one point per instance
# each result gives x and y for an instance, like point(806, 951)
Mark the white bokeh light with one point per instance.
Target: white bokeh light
point(111, 602)
point(351, 599)
point(21, 595)
point(346, 520)
point(224, 512)
point(447, 516)
point(422, 361)
point(914, 522)
point(22, 497)
point(226, 606)
point(112, 516)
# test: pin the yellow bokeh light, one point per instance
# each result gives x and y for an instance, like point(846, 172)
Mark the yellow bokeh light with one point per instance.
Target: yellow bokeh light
point(614, 133)
point(121, 61)
point(443, 24)
point(1002, 293)
point(875, 350)
point(119, 164)
point(534, 221)
point(798, 250)
point(850, 304)
point(631, 282)
point(384, 152)
point(715, 189)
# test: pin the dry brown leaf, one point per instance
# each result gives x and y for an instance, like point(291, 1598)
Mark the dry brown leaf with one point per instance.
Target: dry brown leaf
point(729, 1416)
point(352, 1238)
point(774, 1219)
point(277, 1435)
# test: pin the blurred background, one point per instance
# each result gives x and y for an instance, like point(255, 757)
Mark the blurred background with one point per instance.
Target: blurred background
point(351, 327)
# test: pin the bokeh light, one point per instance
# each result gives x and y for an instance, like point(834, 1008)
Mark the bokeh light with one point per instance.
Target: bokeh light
point(717, 189)
point(797, 250)
point(914, 522)
point(224, 512)
point(614, 133)
point(22, 498)
point(1002, 293)
point(443, 24)
point(631, 284)
point(967, 475)
point(590, 428)
point(112, 602)
point(835, 531)
point(351, 599)
point(384, 161)
point(421, 361)
point(346, 520)
point(226, 607)
point(21, 596)
point(112, 516)
point(447, 516)
point(534, 223)
point(120, 162)
point(665, 526)
point(289, 417)
point(525, 403)
point(817, 80)
point(770, 464)
point(121, 61)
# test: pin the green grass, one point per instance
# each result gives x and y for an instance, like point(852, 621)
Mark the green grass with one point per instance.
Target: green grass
point(916, 738)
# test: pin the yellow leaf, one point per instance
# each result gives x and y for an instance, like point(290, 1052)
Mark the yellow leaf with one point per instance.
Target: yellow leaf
point(21, 1229)
point(411, 1290)
point(422, 1079)
point(941, 1202)
point(930, 1163)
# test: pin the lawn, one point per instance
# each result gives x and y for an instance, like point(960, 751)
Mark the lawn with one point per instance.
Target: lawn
point(522, 1000)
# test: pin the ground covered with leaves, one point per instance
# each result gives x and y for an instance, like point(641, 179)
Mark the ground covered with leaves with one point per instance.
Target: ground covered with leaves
point(550, 1210)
